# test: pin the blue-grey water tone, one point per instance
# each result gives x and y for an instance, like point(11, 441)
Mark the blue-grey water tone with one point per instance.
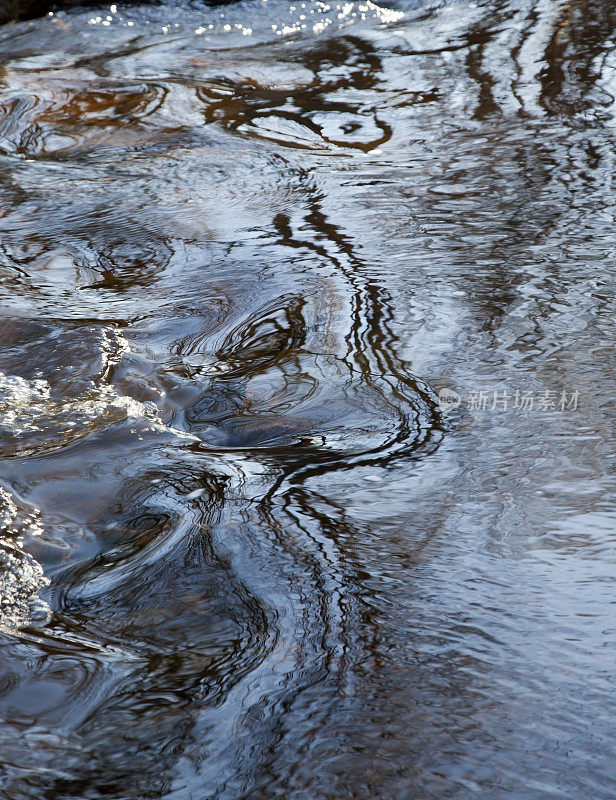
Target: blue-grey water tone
point(308, 402)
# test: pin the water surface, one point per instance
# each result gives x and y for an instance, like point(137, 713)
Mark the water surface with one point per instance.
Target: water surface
point(246, 551)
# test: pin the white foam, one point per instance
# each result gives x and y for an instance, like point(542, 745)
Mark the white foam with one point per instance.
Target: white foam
point(34, 417)
point(21, 576)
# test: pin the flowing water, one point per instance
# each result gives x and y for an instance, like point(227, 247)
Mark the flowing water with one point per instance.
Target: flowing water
point(248, 550)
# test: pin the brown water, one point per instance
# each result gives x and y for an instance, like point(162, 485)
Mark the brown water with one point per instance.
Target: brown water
point(247, 552)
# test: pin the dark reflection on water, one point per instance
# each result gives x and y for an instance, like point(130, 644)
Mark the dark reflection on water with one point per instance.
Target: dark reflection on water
point(244, 552)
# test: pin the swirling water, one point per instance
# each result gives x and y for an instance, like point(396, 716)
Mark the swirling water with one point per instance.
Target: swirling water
point(246, 552)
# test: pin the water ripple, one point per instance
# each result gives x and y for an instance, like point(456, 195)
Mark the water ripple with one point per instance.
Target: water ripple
point(245, 552)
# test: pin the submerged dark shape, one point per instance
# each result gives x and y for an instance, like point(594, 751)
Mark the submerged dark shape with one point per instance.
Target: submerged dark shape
point(30, 9)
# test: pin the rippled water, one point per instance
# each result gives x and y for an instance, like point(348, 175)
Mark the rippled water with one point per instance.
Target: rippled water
point(247, 552)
